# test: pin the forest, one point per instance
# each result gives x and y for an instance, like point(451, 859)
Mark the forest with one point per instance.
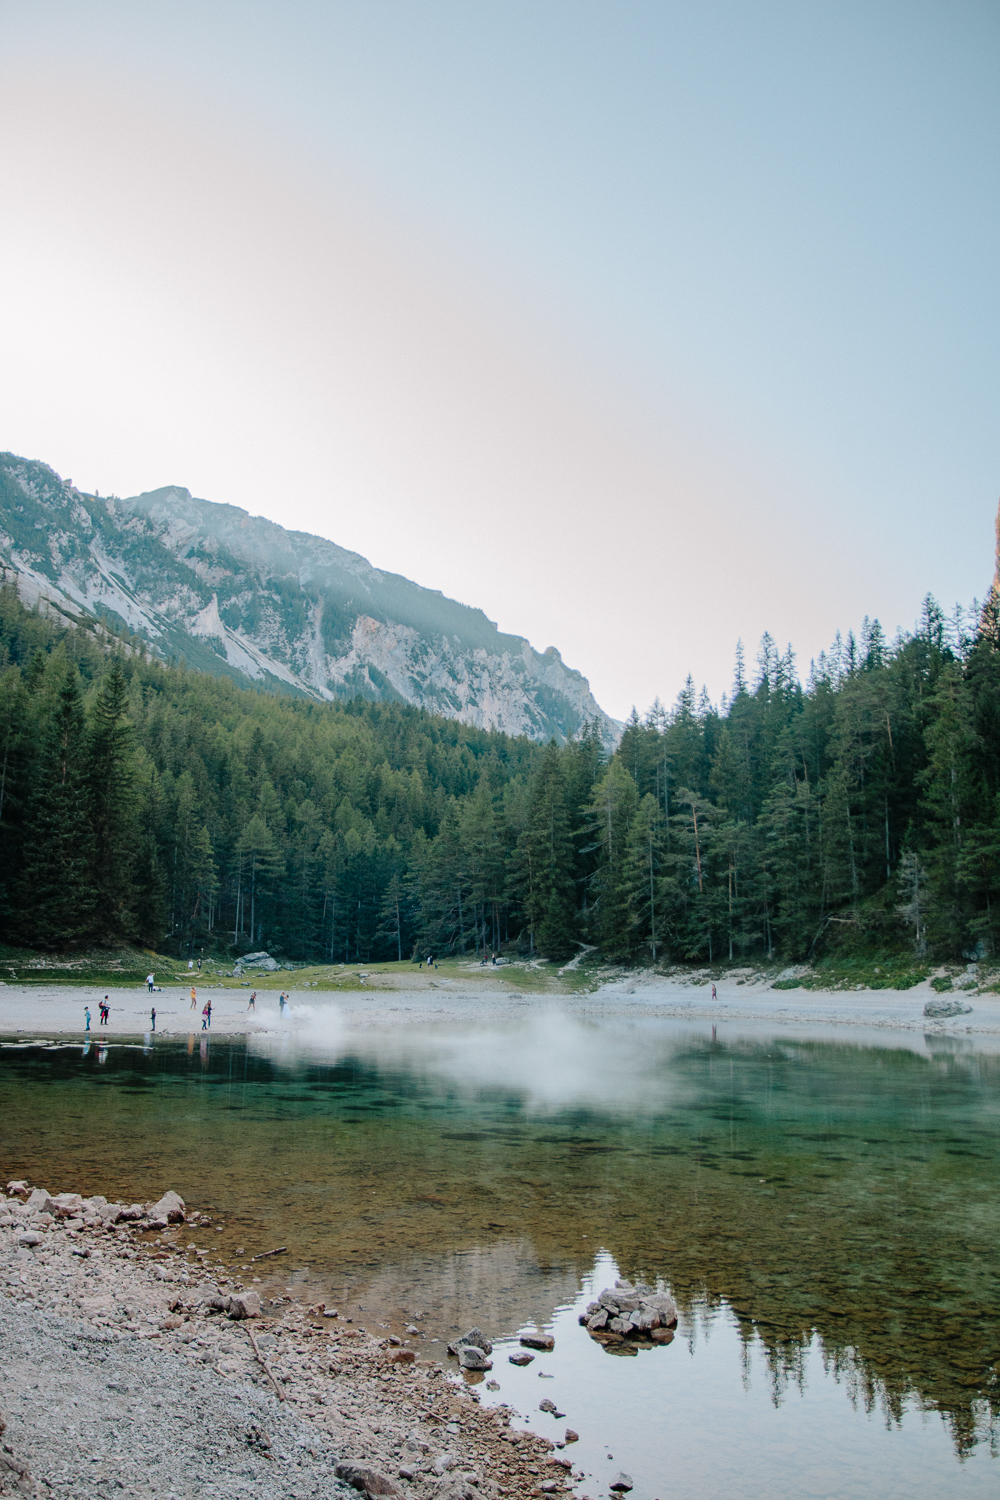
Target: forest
point(145, 803)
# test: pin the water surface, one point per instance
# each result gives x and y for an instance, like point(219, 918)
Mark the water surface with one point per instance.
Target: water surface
point(825, 1212)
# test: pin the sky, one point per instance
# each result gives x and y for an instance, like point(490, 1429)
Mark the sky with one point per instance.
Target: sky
point(643, 327)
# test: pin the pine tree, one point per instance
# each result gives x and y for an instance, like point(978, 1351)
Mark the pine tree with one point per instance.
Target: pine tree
point(57, 896)
point(113, 809)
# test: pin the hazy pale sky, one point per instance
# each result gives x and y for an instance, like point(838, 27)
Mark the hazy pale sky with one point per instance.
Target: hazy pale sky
point(642, 326)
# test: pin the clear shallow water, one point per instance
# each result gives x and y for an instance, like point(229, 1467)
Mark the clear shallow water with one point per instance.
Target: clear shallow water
point(825, 1212)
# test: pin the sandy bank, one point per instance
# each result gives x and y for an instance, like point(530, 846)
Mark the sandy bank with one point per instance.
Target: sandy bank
point(116, 1376)
point(57, 1011)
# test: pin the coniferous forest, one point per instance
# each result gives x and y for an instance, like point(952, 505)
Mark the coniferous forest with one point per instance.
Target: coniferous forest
point(149, 804)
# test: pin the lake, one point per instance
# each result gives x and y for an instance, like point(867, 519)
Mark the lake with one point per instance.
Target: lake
point(822, 1205)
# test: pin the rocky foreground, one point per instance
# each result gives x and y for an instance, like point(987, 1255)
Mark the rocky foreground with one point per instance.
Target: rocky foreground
point(122, 1372)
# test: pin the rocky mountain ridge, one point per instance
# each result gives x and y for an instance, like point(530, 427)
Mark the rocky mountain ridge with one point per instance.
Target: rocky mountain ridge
point(237, 595)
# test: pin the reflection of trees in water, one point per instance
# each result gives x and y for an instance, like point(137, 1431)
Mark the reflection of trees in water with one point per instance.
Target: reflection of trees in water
point(874, 1231)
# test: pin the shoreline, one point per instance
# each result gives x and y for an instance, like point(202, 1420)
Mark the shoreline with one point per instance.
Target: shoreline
point(46, 1012)
point(100, 1319)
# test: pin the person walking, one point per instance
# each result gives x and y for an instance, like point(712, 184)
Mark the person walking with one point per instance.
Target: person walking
point(150, 979)
point(204, 1016)
point(714, 995)
point(253, 1002)
point(86, 1014)
point(152, 1019)
point(194, 997)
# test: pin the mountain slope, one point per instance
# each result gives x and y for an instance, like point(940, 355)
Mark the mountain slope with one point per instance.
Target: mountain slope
point(235, 594)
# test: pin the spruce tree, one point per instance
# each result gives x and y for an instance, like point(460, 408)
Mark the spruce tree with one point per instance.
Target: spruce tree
point(113, 810)
point(57, 898)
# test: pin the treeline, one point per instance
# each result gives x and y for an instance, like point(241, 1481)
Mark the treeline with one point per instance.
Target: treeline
point(147, 803)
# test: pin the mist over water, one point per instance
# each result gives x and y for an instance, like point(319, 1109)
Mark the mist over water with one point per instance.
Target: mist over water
point(825, 1212)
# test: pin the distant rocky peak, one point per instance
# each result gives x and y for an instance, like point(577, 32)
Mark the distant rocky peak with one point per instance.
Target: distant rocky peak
point(240, 596)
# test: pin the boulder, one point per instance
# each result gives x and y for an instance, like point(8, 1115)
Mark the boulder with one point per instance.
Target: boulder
point(39, 1202)
point(621, 1484)
point(67, 1205)
point(29, 1239)
point(372, 1482)
point(476, 1337)
point(599, 1320)
point(17, 1188)
point(940, 1010)
point(243, 1305)
point(168, 1210)
point(255, 961)
point(471, 1358)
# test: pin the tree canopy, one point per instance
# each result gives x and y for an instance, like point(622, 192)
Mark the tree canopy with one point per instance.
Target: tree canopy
point(147, 803)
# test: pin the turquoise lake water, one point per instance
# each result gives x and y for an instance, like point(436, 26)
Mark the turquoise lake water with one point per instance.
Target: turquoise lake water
point(824, 1209)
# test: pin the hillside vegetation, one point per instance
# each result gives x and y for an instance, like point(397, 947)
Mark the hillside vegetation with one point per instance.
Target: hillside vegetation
point(151, 804)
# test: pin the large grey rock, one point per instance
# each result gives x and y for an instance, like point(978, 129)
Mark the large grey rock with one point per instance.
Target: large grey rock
point(939, 1010)
point(621, 1483)
point(168, 1210)
point(256, 961)
point(39, 1202)
point(243, 1305)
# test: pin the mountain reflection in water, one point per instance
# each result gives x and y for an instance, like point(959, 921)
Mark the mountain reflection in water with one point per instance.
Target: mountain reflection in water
point(839, 1197)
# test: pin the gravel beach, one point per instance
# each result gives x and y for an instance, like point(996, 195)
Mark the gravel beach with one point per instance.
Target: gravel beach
point(123, 1372)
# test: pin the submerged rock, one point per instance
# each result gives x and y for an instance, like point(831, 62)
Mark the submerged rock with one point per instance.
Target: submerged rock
point(538, 1341)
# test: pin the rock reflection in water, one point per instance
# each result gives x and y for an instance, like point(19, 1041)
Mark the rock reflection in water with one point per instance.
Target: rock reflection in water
point(840, 1199)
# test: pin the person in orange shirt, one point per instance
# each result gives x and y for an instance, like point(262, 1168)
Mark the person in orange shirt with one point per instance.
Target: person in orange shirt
point(194, 997)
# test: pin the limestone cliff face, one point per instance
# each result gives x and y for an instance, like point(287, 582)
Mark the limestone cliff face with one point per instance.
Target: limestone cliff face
point(237, 595)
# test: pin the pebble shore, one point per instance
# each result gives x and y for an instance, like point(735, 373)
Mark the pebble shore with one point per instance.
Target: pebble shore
point(124, 1372)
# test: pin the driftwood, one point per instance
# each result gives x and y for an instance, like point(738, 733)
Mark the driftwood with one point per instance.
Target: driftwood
point(265, 1254)
point(275, 1382)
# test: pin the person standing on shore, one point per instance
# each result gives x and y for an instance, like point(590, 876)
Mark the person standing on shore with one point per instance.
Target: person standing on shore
point(152, 1019)
point(194, 997)
point(105, 1010)
point(714, 995)
point(253, 1002)
point(86, 1015)
point(150, 980)
point(206, 1015)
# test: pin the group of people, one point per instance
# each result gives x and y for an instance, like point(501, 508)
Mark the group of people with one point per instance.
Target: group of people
point(104, 1008)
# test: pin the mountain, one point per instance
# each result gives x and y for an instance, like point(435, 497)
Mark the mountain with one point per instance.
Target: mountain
point(237, 595)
